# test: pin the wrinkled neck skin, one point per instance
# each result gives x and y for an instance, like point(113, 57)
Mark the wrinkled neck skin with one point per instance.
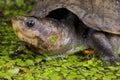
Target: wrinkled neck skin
point(65, 42)
point(70, 38)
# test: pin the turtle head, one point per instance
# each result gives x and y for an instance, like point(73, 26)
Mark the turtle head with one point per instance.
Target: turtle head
point(41, 33)
point(45, 34)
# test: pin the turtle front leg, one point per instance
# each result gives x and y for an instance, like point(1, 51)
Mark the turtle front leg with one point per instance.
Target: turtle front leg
point(103, 46)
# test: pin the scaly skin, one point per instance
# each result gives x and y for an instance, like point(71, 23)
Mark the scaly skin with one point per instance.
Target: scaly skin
point(47, 35)
point(53, 37)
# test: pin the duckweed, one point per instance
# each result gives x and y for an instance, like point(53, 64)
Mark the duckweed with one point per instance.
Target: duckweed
point(24, 64)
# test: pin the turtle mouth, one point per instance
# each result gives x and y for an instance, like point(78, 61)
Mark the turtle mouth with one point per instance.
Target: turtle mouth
point(19, 28)
point(24, 34)
point(28, 37)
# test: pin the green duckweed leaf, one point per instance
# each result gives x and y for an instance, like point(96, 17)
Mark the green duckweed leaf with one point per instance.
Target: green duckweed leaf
point(14, 70)
point(53, 39)
point(80, 48)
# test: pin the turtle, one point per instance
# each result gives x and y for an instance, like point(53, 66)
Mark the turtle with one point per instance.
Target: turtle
point(57, 27)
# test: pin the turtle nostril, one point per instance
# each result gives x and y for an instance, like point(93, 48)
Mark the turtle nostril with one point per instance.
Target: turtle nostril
point(30, 23)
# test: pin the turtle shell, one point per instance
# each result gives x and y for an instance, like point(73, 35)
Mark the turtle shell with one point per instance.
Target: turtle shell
point(101, 15)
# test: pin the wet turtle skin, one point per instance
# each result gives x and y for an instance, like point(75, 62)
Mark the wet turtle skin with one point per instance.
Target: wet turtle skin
point(39, 33)
point(47, 35)
point(98, 15)
point(83, 22)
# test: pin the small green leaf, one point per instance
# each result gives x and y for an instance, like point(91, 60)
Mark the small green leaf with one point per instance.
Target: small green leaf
point(3, 75)
point(20, 62)
point(29, 62)
point(81, 48)
point(37, 60)
point(53, 39)
point(111, 67)
point(20, 2)
point(14, 70)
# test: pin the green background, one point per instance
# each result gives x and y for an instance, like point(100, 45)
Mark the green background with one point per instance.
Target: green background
point(17, 64)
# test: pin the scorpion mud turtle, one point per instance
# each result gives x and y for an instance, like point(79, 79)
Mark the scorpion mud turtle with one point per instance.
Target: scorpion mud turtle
point(56, 27)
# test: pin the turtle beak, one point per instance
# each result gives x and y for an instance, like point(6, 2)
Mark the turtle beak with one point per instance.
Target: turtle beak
point(17, 22)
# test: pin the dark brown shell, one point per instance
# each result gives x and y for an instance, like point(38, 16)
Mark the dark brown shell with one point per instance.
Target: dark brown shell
point(102, 15)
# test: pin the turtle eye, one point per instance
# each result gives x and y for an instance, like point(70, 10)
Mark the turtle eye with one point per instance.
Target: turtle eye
point(30, 23)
